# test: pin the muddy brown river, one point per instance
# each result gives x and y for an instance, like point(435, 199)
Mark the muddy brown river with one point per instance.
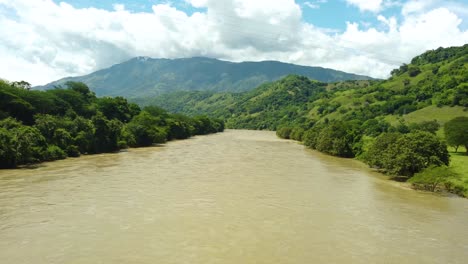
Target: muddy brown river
point(235, 197)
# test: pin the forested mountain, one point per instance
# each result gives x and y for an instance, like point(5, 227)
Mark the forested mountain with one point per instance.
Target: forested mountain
point(141, 77)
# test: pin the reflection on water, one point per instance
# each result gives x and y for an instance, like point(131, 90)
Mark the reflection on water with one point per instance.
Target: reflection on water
point(235, 197)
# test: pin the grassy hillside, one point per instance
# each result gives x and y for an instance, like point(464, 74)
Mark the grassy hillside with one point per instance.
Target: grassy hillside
point(441, 114)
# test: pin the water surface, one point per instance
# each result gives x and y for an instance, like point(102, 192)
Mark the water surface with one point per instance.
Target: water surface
point(234, 197)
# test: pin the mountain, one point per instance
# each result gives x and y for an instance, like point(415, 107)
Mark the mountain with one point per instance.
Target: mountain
point(142, 76)
point(433, 86)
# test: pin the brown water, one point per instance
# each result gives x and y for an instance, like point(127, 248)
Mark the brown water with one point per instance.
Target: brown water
point(236, 197)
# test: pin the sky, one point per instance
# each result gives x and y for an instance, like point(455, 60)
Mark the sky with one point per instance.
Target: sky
point(45, 40)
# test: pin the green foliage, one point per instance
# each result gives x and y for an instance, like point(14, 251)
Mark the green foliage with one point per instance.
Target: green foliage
point(431, 178)
point(284, 132)
point(297, 133)
point(117, 108)
point(106, 135)
point(337, 138)
point(72, 121)
point(73, 151)
point(203, 125)
point(456, 132)
point(53, 153)
point(19, 144)
point(374, 127)
point(407, 154)
point(428, 126)
point(437, 78)
point(145, 131)
point(413, 71)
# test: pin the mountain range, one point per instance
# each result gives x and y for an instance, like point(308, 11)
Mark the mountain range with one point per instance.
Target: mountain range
point(146, 77)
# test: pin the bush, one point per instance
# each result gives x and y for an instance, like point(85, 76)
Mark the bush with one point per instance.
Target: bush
point(284, 132)
point(414, 71)
point(73, 151)
point(297, 133)
point(53, 153)
point(431, 178)
point(122, 144)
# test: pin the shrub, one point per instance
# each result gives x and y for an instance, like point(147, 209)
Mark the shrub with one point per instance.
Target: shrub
point(431, 178)
point(297, 133)
point(73, 151)
point(53, 153)
point(284, 132)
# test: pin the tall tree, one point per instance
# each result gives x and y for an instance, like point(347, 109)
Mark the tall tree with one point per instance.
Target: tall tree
point(456, 132)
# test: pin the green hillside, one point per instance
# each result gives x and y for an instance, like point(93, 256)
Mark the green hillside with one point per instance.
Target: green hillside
point(143, 77)
point(395, 125)
point(433, 86)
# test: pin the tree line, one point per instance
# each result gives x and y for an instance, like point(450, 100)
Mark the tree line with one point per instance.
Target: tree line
point(69, 121)
point(407, 151)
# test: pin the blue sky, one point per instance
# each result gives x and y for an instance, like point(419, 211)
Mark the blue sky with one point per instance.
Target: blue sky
point(44, 40)
point(331, 14)
point(327, 14)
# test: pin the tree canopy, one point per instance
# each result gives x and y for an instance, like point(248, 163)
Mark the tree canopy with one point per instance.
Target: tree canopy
point(69, 121)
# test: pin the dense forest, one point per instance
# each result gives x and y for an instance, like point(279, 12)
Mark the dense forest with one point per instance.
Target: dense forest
point(400, 126)
point(69, 121)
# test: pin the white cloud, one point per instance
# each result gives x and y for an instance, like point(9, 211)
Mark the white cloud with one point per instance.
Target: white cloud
point(367, 5)
point(119, 7)
point(43, 41)
point(314, 4)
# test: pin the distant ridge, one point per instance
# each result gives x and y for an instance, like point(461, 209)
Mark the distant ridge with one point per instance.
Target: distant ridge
point(144, 76)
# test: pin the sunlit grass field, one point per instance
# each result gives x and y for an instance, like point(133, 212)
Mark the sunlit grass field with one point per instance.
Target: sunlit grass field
point(459, 164)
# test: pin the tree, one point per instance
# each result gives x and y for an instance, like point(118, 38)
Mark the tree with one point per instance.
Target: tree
point(378, 154)
point(82, 89)
point(337, 139)
point(22, 85)
point(428, 126)
point(407, 154)
point(145, 131)
point(117, 108)
point(374, 127)
point(106, 134)
point(430, 178)
point(456, 132)
point(83, 132)
point(461, 95)
point(20, 144)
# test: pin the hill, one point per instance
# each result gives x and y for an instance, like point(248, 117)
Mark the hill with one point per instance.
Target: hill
point(142, 76)
point(434, 82)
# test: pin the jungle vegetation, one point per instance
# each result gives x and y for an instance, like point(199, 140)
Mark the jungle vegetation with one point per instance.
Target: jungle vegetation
point(69, 121)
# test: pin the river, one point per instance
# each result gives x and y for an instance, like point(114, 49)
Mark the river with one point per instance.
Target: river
point(235, 197)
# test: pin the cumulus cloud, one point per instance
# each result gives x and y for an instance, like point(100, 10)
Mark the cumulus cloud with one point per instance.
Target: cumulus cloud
point(43, 41)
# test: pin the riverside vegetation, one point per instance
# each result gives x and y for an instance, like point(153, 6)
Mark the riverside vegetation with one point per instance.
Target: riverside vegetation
point(65, 122)
point(400, 126)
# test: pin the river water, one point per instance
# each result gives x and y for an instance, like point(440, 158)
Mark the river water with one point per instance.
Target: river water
point(235, 197)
